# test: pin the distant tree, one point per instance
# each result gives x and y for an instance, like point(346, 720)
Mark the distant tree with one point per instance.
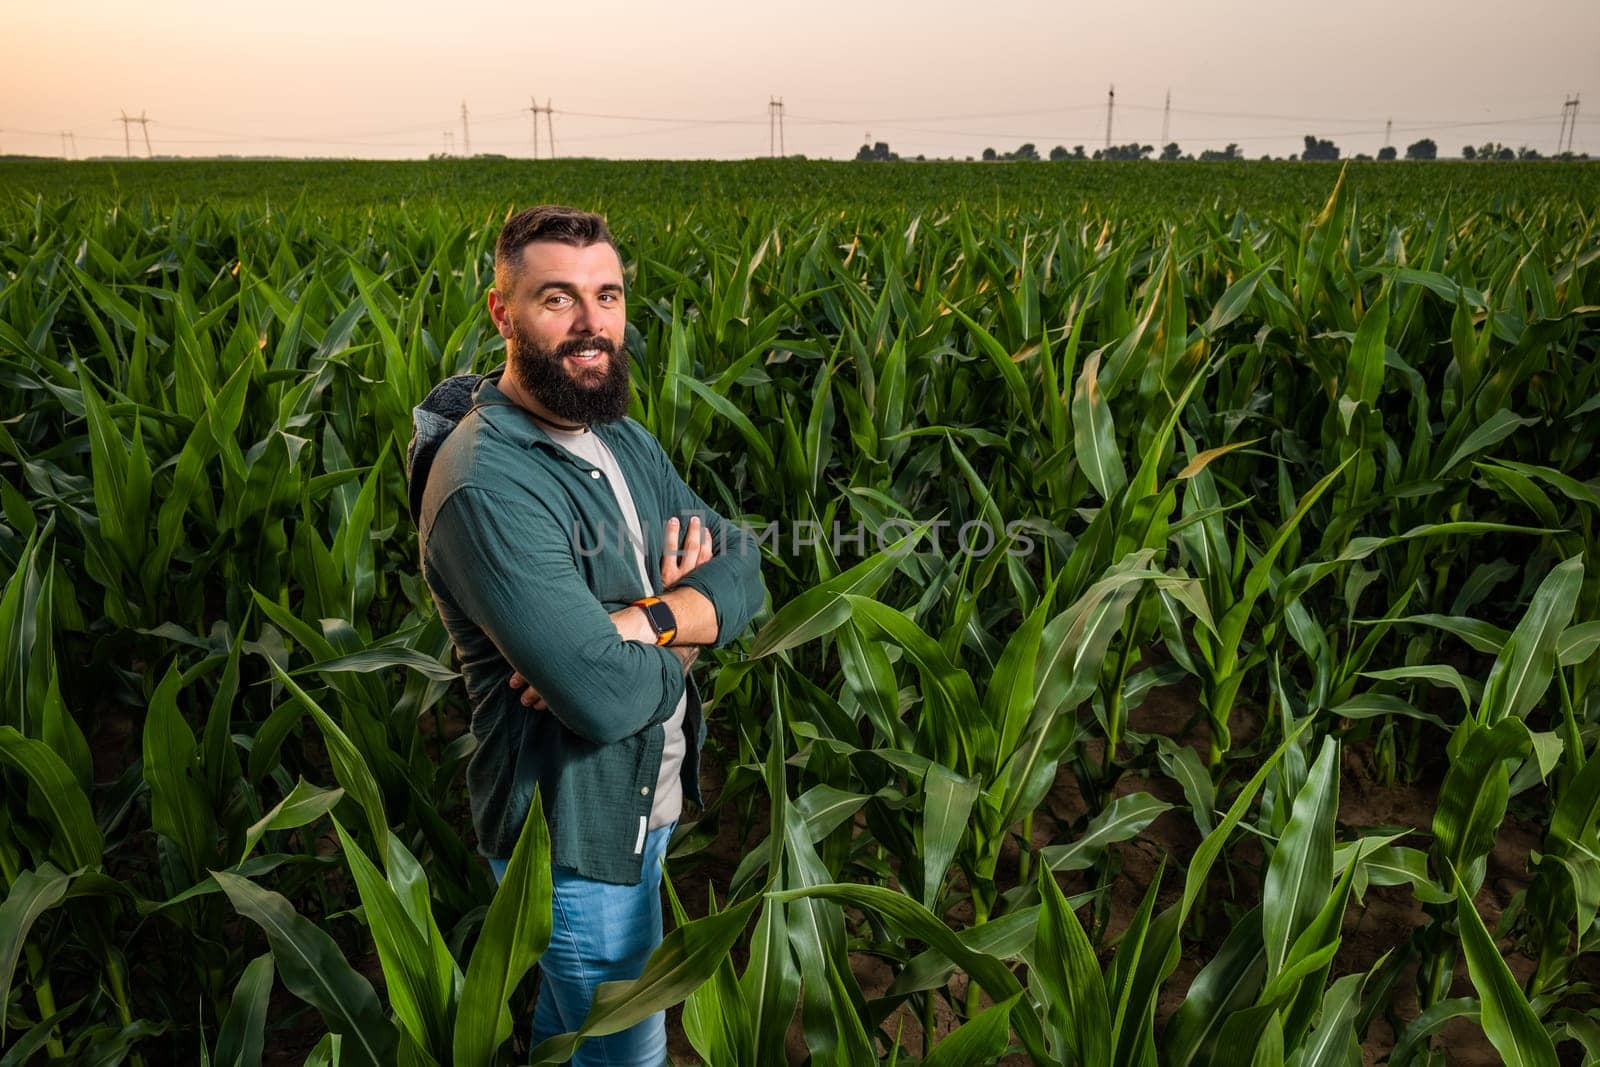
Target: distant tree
point(1387, 152)
point(1528, 153)
point(877, 153)
point(1059, 152)
point(1423, 149)
point(1211, 155)
point(1077, 152)
point(1026, 152)
point(1171, 152)
point(989, 156)
point(1125, 151)
point(1496, 150)
point(1316, 149)
point(1468, 152)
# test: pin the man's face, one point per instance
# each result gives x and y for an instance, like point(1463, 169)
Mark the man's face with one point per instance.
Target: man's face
point(565, 324)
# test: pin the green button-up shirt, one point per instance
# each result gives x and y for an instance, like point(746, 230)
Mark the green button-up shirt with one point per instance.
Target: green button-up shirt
point(524, 548)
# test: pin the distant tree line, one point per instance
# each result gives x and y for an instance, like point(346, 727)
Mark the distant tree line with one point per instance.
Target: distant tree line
point(1316, 149)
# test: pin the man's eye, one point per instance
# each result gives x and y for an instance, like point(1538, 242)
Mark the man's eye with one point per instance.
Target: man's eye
point(610, 298)
point(558, 300)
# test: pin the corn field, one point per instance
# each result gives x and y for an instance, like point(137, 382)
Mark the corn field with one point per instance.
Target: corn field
point(1263, 727)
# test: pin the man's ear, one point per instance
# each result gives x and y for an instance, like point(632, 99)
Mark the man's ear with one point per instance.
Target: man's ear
point(499, 313)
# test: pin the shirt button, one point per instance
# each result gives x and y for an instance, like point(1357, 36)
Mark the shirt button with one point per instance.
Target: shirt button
point(645, 791)
point(594, 474)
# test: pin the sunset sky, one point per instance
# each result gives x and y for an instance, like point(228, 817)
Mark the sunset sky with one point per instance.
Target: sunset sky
point(693, 78)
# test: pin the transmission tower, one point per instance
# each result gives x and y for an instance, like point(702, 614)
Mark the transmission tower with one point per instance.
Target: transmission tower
point(466, 132)
point(550, 125)
point(533, 108)
point(449, 143)
point(1388, 132)
point(1166, 120)
point(775, 126)
point(127, 142)
point(1569, 124)
point(1111, 104)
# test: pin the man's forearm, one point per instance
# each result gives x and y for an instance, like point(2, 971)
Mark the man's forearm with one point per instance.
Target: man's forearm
point(694, 613)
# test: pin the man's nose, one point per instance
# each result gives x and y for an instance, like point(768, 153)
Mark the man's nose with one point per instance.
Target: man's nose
point(586, 316)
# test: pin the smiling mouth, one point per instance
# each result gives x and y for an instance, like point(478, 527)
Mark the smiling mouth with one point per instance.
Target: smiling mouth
point(588, 357)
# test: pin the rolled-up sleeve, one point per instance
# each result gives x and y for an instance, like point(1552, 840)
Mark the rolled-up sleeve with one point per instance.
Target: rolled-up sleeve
point(508, 565)
point(731, 578)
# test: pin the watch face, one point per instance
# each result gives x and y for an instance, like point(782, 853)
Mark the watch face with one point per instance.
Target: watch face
point(661, 617)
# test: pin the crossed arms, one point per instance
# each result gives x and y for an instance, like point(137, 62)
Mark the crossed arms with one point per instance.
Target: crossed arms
point(697, 617)
point(503, 562)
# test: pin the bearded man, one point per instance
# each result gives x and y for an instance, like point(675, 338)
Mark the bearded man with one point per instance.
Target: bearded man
point(578, 576)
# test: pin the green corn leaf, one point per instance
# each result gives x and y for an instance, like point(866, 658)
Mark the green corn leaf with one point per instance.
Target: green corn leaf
point(242, 1037)
point(418, 1005)
point(822, 609)
point(1122, 820)
point(1527, 662)
point(1094, 436)
point(314, 970)
point(377, 659)
point(686, 958)
point(1332, 1042)
point(1228, 983)
point(947, 801)
point(1068, 974)
point(179, 808)
point(31, 894)
point(1507, 1018)
point(515, 934)
point(1430, 1022)
point(916, 921)
point(982, 1039)
point(348, 766)
point(1472, 799)
point(54, 795)
point(305, 804)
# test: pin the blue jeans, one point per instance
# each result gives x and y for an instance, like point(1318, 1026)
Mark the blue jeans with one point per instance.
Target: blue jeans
point(600, 932)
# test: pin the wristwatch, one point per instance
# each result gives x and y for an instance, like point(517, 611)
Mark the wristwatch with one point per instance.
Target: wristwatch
point(662, 621)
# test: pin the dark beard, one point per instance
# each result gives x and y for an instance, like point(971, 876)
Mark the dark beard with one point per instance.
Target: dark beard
point(543, 374)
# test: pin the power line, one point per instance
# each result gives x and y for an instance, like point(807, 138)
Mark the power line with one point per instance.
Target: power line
point(393, 138)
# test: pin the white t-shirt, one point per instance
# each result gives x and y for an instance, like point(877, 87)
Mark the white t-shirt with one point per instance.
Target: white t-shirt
point(587, 446)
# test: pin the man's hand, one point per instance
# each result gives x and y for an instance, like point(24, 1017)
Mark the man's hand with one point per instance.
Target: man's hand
point(677, 562)
point(530, 696)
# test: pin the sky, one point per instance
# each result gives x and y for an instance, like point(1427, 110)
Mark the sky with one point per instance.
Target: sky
point(693, 78)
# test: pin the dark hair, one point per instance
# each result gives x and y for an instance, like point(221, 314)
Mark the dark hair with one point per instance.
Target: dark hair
point(547, 222)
